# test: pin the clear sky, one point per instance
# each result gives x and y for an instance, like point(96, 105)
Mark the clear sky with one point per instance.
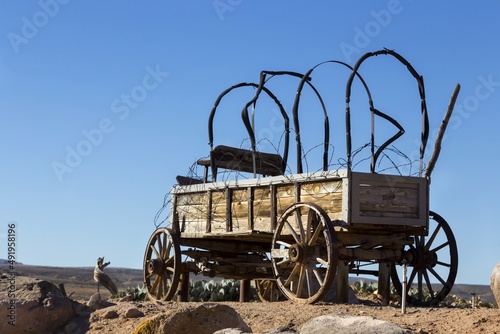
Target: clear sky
point(129, 87)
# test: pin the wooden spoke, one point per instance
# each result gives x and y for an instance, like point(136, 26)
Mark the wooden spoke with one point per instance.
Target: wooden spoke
point(446, 244)
point(160, 246)
point(292, 276)
point(292, 231)
point(155, 251)
point(162, 264)
point(166, 255)
point(268, 291)
point(431, 239)
point(318, 276)
point(438, 265)
point(298, 219)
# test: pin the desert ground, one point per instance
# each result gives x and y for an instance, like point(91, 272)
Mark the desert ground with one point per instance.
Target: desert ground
point(259, 316)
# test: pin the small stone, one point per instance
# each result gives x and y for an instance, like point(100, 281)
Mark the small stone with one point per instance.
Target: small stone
point(110, 314)
point(230, 331)
point(95, 301)
point(127, 298)
point(133, 313)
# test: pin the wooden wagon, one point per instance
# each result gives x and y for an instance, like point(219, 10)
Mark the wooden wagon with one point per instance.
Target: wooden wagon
point(298, 235)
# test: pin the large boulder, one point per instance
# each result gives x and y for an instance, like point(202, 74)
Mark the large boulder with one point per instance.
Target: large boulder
point(495, 283)
point(207, 318)
point(344, 324)
point(32, 305)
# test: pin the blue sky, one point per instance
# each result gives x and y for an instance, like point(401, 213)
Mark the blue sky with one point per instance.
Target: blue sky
point(130, 87)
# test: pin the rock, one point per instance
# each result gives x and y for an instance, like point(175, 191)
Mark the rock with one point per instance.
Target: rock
point(133, 313)
point(229, 331)
point(495, 283)
point(207, 318)
point(127, 298)
point(110, 314)
point(280, 330)
point(95, 301)
point(149, 325)
point(349, 325)
point(35, 306)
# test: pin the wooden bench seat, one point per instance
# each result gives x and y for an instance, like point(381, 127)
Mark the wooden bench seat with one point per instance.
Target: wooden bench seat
point(238, 159)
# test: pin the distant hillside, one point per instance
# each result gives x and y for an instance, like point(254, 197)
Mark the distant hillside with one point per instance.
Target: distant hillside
point(4, 261)
point(80, 280)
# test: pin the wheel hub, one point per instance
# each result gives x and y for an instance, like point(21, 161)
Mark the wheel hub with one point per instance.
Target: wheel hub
point(420, 258)
point(297, 253)
point(155, 266)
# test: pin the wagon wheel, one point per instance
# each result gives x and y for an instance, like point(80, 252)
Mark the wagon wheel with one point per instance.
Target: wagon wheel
point(304, 253)
point(268, 290)
point(162, 264)
point(435, 256)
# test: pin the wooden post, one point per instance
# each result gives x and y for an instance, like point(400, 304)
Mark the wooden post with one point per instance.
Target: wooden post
point(384, 281)
point(244, 290)
point(229, 210)
point(183, 288)
point(342, 282)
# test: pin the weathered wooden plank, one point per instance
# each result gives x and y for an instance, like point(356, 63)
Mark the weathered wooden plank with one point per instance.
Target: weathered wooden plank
point(239, 209)
point(262, 209)
point(218, 222)
point(359, 254)
point(367, 241)
point(378, 199)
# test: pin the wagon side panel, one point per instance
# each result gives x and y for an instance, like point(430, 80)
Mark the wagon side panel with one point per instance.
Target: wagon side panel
point(378, 199)
point(191, 210)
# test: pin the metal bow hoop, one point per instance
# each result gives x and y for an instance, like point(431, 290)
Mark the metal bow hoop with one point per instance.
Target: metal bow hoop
point(246, 121)
point(245, 114)
point(375, 112)
point(295, 112)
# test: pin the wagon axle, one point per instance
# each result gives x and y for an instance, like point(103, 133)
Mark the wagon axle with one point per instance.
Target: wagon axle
point(420, 258)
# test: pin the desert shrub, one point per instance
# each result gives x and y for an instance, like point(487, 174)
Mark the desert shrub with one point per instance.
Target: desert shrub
point(362, 288)
point(138, 293)
point(223, 290)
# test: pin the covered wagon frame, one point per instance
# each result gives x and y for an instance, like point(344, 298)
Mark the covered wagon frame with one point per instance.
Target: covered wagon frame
point(296, 234)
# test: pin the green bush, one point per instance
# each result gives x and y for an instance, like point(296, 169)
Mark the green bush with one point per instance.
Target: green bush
point(362, 289)
point(223, 290)
point(138, 293)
